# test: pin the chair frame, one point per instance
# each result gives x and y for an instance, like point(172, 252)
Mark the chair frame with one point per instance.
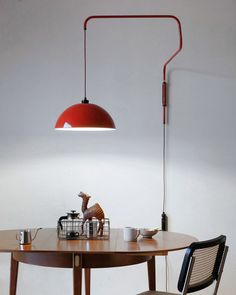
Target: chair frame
point(191, 260)
point(184, 286)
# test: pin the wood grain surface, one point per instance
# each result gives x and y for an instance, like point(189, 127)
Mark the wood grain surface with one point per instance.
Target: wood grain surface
point(47, 241)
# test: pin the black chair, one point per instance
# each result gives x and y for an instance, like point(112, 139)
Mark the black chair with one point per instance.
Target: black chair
point(202, 265)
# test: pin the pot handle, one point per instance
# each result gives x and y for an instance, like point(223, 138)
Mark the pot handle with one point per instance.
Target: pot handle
point(60, 219)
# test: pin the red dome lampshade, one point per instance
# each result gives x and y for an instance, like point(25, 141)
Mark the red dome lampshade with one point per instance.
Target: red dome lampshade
point(85, 116)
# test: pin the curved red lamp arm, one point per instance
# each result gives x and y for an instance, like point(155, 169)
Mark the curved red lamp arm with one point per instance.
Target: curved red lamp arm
point(164, 83)
point(146, 16)
point(73, 118)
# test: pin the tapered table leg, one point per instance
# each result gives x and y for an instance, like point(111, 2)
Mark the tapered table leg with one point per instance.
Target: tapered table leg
point(152, 274)
point(13, 275)
point(77, 274)
point(87, 276)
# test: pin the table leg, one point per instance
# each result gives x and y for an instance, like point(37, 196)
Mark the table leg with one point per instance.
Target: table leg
point(77, 274)
point(13, 275)
point(152, 274)
point(87, 276)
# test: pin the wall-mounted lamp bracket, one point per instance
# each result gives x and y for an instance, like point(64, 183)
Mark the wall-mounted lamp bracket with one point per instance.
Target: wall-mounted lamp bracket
point(180, 45)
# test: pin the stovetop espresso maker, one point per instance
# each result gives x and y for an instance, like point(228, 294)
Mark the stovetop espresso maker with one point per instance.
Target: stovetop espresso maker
point(70, 224)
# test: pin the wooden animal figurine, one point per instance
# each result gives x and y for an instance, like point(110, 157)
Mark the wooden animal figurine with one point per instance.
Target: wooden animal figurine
point(93, 211)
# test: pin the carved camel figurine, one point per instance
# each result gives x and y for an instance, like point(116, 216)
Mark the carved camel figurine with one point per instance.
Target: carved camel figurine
point(93, 211)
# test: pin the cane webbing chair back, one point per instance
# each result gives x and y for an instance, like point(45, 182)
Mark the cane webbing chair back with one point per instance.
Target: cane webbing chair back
point(206, 258)
point(202, 265)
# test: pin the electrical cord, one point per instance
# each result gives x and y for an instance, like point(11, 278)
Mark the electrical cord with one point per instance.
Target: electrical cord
point(166, 273)
point(164, 218)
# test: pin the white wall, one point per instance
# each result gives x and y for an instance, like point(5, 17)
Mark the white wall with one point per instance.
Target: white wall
point(41, 171)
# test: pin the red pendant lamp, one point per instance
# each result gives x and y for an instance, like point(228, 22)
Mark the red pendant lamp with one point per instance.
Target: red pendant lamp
point(85, 116)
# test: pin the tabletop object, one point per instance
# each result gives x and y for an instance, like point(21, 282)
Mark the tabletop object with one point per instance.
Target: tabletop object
point(148, 232)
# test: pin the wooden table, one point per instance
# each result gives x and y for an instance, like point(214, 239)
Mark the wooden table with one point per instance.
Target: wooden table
point(48, 250)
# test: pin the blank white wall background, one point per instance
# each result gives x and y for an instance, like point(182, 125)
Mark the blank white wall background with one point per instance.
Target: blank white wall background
point(42, 171)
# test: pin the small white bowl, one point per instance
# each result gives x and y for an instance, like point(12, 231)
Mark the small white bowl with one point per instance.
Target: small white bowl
point(148, 232)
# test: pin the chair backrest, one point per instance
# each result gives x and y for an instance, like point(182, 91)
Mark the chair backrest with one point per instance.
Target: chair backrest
point(202, 265)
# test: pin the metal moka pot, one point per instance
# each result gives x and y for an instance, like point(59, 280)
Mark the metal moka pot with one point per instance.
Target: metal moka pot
point(70, 216)
point(69, 223)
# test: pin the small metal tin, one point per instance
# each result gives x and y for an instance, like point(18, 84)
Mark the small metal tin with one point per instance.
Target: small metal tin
point(91, 229)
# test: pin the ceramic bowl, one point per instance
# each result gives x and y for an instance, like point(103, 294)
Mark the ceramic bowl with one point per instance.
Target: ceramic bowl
point(148, 232)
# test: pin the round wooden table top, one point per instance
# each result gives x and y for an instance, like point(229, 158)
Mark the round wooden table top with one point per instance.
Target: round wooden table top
point(47, 241)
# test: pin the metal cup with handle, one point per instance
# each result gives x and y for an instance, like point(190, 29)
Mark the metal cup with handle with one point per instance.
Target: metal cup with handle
point(25, 236)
